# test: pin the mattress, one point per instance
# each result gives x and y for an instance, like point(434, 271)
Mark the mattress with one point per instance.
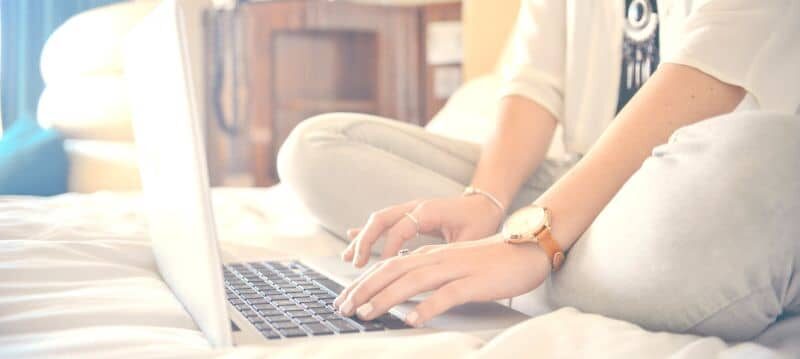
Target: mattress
point(78, 279)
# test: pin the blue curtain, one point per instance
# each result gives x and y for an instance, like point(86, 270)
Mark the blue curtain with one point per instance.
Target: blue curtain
point(25, 26)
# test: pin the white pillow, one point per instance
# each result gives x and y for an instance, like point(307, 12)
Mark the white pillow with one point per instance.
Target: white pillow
point(93, 107)
point(102, 165)
point(90, 43)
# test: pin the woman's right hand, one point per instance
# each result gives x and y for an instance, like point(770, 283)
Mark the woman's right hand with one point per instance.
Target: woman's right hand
point(453, 219)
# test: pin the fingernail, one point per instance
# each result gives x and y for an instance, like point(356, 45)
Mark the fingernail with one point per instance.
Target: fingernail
point(411, 319)
point(346, 308)
point(364, 310)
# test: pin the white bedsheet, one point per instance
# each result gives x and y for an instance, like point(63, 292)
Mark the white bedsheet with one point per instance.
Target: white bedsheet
point(77, 279)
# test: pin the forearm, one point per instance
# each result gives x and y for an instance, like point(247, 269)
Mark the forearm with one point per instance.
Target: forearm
point(517, 146)
point(674, 97)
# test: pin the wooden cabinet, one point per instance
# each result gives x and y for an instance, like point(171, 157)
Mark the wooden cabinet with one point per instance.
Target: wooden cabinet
point(303, 58)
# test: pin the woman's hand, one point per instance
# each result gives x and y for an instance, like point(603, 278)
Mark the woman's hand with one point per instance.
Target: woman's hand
point(483, 270)
point(454, 219)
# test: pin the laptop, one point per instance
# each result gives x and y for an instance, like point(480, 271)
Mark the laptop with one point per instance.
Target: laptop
point(266, 301)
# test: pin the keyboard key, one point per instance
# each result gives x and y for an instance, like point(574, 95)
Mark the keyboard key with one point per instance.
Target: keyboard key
point(373, 326)
point(270, 313)
point(306, 320)
point(311, 305)
point(305, 300)
point(392, 322)
point(318, 329)
point(284, 325)
point(277, 297)
point(261, 326)
point(289, 307)
point(321, 311)
point(331, 285)
point(293, 332)
point(277, 318)
point(370, 326)
point(282, 302)
point(298, 313)
point(332, 316)
point(270, 334)
point(263, 306)
point(342, 326)
point(259, 300)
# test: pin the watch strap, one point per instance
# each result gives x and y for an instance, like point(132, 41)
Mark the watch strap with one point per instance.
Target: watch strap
point(551, 248)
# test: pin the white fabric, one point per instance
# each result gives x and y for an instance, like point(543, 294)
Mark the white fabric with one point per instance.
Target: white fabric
point(90, 107)
point(90, 43)
point(566, 55)
point(77, 279)
point(102, 164)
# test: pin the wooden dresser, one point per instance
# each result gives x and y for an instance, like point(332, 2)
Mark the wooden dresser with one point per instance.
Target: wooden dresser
point(300, 58)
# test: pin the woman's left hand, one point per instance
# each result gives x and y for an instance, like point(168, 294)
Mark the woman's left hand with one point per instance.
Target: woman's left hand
point(483, 270)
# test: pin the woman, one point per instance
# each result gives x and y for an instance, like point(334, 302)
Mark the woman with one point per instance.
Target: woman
point(679, 208)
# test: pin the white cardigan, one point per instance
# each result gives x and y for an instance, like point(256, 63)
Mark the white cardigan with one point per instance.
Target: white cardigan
point(566, 55)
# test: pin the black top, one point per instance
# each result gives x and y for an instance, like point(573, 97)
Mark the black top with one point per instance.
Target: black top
point(639, 47)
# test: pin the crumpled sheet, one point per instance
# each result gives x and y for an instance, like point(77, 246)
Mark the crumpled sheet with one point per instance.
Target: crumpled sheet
point(78, 279)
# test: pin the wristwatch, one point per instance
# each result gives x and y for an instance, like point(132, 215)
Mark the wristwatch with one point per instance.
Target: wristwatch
point(532, 225)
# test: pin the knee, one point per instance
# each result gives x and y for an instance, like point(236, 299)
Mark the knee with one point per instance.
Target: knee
point(301, 152)
point(703, 238)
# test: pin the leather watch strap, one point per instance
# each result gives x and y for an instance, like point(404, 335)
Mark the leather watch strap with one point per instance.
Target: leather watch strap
point(551, 247)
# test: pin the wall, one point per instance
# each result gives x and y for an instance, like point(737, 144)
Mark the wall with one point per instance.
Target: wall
point(487, 26)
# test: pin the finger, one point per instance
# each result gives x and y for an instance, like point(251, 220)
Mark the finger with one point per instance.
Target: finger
point(420, 280)
point(352, 233)
point(347, 254)
point(450, 295)
point(427, 216)
point(431, 248)
point(346, 291)
point(385, 274)
point(376, 225)
point(402, 231)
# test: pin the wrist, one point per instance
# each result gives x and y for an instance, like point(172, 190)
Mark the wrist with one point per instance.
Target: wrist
point(499, 205)
point(486, 208)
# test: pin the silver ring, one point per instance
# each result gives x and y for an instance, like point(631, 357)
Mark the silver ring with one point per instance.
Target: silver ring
point(413, 219)
point(403, 252)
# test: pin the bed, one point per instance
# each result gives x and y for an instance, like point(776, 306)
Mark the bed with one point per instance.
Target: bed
point(78, 279)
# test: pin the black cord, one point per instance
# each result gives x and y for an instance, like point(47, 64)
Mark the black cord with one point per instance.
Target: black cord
point(219, 21)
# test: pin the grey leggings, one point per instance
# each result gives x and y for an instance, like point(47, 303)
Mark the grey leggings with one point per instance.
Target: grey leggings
point(704, 238)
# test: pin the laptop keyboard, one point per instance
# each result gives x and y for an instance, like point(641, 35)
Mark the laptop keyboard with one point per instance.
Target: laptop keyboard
point(288, 300)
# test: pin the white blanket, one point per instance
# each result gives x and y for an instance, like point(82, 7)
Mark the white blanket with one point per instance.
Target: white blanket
point(77, 279)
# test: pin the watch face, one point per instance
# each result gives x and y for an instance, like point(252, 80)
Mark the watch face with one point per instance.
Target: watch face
point(525, 222)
